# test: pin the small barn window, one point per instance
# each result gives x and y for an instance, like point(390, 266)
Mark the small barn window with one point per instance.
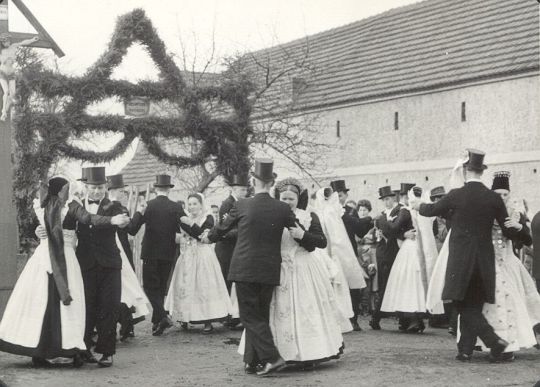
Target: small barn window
point(396, 121)
point(299, 85)
point(463, 112)
point(338, 129)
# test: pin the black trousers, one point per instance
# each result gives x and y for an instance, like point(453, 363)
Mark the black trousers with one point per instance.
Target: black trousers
point(383, 272)
point(473, 324)
point(156, 275)
point(254, 305)
point(356, 300)
point(102, 288)
point(224, 251)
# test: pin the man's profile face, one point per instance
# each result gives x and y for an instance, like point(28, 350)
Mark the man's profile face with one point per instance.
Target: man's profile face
point(343, 197)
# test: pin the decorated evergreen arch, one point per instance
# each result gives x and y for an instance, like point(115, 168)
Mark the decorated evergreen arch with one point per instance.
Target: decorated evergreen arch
point(42, 138)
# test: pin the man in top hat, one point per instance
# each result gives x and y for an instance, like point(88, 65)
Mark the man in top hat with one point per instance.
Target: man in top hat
point(256, 263)
point(162, 220)
point(355, 227)
point(225, 246)
point(390, 226)
point(101, 265)
point(470, 274)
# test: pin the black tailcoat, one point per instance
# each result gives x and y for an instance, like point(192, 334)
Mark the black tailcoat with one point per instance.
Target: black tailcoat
point(97, 244)
point(257, 254)
point(162, 220)
point(475, 208)
point(225, 246)
point(356, 227)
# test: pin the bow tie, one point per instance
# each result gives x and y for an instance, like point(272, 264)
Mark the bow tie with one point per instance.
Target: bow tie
point(93, 202)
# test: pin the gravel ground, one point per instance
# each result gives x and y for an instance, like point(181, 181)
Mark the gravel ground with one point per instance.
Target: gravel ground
point(383, 358)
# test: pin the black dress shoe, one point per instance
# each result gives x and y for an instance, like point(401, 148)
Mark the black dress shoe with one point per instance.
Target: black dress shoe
point(417, 327)
point(375, 325)
point(463, 357)
point(88, 357)
point(154, 326)
point(251, 369)
point(355, 326)
point(498, 348)
point(40, 362)
point(105, 361)
point(452, 331)
point(270, 368)
point(163, 324)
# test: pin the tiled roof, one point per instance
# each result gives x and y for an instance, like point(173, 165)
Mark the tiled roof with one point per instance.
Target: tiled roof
point(142, 168)
point(423, 46)
point(426, 45)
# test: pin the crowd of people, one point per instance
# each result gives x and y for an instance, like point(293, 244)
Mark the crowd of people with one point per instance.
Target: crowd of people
point(294, 270)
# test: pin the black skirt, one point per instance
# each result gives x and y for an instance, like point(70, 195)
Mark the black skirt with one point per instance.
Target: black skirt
point(50, 341)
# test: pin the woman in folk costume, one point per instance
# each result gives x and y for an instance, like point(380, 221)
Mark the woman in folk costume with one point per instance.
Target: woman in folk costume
point(197, 293)
point(515, 316)
point(304, 313)
point(406, 290)
point(45, 315)
point(345, 270)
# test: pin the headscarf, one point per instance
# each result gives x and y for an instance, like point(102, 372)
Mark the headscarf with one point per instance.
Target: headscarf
point(53, 198)
point(293, 185)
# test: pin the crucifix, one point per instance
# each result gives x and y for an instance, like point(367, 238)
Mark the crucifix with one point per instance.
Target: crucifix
point(9, 43)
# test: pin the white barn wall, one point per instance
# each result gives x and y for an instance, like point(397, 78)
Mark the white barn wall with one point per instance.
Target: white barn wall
point(502, 119)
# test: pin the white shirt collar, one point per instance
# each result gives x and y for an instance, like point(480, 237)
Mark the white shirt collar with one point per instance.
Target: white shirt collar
point(472, 179)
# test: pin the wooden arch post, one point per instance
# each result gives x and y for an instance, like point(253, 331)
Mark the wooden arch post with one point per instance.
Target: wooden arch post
point(9, 244)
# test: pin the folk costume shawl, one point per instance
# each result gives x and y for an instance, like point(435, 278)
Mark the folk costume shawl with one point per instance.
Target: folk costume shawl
point(54, 196)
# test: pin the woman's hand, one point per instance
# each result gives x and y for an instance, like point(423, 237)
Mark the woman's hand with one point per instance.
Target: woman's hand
point(297, 232)
point(512, 223)
point(187, 221)
point(41, 232)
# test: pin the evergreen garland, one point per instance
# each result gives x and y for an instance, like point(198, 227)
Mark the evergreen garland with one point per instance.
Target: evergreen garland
point(42, 138)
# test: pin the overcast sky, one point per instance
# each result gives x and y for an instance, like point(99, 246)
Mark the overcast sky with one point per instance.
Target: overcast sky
point(83, 28)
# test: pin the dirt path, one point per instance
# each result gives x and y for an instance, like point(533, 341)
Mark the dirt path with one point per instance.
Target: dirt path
point(384, 358)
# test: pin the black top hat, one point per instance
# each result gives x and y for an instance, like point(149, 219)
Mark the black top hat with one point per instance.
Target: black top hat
point(241, 180)
point(501, 180)
point(95, 175)
point(339, 186)
point(115, 182)
point(84, 173)
point(163, 181)
point(476, 160)
point(386, 191)
point(405, 188)
point(264, 170)
point(437, 192)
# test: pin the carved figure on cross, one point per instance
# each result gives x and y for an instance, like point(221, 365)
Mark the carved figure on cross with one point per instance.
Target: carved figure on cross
point(8, 53)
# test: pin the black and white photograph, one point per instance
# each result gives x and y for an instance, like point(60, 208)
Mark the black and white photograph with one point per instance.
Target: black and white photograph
point(270, 193)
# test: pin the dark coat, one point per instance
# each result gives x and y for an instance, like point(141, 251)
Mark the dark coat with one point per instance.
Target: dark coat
point(97, 244)
point(162, 220)
point(257, 254)
point(314, 237)
point(475, 208)
point(195, 230)
point(387, 247)
point(355, 226)
point(123, 236)
point(225, 246)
